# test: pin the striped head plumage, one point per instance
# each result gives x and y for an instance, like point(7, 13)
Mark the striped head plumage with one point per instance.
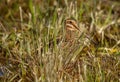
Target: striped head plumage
point(71, 24)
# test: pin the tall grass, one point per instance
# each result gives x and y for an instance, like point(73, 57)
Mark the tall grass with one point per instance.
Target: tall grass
point(30, 48)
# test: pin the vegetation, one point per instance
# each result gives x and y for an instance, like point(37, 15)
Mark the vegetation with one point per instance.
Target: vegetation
point(30, 50)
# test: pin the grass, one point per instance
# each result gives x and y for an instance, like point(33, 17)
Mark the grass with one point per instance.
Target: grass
point(30, 51)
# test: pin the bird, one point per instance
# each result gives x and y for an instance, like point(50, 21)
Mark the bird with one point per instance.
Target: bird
point(70, 45)
point(71, 31)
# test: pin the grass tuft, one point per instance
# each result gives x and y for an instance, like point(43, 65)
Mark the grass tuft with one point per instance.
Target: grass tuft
point(32, 34)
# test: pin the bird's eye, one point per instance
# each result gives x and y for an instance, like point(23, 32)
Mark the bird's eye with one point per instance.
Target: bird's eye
point(70, 21)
